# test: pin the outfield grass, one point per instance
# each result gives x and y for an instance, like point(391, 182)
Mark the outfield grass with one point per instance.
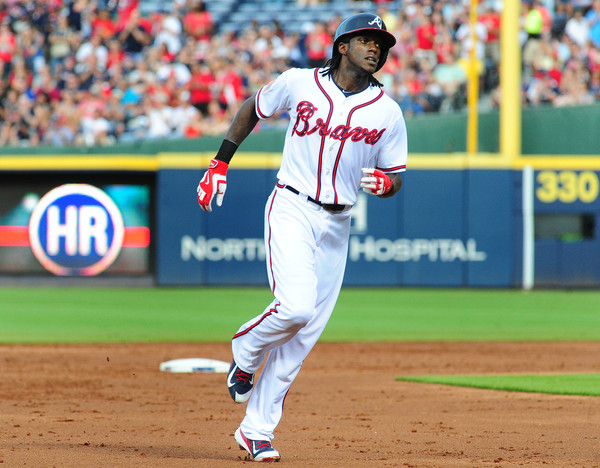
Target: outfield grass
point(563, 384)
point(96, 315)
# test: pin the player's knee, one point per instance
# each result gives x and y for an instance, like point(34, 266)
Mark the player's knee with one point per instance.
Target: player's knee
point(301, 316)
point(297, 309)
point(298, 314)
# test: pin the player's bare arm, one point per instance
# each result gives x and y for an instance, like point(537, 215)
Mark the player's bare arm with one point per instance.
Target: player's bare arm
point(244, 122)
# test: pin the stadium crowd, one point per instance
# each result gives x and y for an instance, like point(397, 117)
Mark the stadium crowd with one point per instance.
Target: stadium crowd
point(96, 72)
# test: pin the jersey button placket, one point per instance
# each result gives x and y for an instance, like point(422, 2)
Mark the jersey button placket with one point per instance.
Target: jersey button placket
point(327, 194)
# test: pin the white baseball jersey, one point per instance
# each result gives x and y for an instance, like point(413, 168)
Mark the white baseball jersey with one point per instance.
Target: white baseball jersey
point(331, 137)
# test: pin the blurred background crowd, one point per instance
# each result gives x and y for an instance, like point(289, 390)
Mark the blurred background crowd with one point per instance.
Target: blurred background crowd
point(98, 72)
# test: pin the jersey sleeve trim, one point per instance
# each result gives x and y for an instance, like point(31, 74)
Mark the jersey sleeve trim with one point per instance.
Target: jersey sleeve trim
point(258, 111)
point(393, 169)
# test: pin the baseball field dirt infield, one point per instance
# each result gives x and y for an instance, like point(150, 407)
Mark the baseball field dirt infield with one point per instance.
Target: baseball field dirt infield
point(110, 406)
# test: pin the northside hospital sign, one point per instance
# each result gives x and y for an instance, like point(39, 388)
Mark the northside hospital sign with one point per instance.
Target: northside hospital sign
point(362, 246)
point(368, 249)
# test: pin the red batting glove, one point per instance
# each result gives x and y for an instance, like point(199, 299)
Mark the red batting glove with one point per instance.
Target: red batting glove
point(213, 183)
point(375, 182)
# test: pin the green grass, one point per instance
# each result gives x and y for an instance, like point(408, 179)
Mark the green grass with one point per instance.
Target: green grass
point(467, 315)
point(564, 384)
point(85, 315)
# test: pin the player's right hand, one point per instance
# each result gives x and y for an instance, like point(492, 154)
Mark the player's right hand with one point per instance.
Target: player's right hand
point(214, 183)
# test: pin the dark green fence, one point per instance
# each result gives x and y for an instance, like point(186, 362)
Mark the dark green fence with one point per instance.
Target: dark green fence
point(545, 130)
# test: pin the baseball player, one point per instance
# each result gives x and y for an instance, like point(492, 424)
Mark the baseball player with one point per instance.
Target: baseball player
point(344, 134)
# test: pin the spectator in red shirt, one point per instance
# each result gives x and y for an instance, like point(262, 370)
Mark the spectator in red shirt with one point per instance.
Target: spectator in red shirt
point(230, 86)
point(198, 22)
point(491, 20)
point(115, 54)
point(8, 43)
point(425, 34)
point(201, 87)
point(103, 25)
point(318, 42)
point(413, 84)
point(444, 46)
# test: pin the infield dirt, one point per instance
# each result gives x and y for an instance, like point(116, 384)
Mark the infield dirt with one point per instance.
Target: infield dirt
point(110, 406)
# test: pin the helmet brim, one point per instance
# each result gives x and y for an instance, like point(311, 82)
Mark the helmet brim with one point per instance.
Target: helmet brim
point(389, 40)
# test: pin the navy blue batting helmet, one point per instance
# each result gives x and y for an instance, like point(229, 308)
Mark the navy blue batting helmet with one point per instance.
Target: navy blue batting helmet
point(365, 22)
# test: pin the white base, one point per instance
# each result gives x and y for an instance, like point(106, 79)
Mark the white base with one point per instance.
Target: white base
point(195, 365)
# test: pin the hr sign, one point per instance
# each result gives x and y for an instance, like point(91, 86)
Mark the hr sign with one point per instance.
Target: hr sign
point(76, 230)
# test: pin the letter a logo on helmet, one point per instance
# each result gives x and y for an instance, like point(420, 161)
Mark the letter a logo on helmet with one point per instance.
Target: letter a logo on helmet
point(378, 21)
point(364, 22)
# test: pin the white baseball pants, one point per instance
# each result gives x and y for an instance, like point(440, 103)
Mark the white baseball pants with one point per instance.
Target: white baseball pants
point(306, 249)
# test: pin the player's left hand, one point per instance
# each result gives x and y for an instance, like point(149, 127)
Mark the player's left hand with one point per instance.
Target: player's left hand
point(375, 182)
point(214, 183)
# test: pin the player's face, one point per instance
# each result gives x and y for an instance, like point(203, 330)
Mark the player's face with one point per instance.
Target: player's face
point(364, 51)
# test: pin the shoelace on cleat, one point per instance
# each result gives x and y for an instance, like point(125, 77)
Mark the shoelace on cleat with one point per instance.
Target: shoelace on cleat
point(243, 376)
point(262, 444)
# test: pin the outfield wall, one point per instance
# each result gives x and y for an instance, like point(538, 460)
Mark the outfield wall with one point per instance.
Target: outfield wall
point(457, 222)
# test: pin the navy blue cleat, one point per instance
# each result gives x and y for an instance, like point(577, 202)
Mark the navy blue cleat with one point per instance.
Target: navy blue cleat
point(240, 383)
point(259, 450)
